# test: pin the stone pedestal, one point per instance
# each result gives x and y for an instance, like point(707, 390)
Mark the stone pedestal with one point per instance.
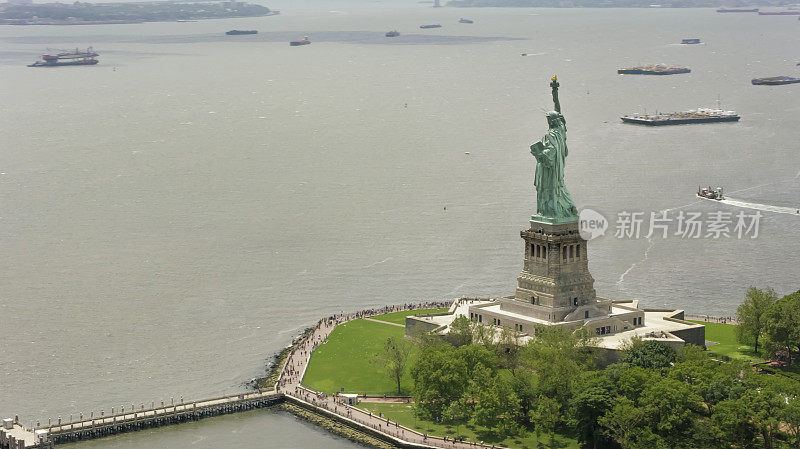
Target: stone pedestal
point(555, 281)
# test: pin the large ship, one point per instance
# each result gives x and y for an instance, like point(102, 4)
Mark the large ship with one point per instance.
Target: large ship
point(238, 32)
point(775, 80)
point(700, 115)
point(737, 10)
point(77, 57)
point(393, 33)
point(655, 69)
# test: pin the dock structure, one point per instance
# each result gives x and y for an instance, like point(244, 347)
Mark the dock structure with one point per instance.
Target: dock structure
point(15, 436)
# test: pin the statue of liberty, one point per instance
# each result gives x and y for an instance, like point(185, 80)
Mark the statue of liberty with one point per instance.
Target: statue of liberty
point(553, 202)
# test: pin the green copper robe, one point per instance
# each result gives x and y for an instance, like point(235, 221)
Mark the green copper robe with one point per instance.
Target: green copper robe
point(552, 197)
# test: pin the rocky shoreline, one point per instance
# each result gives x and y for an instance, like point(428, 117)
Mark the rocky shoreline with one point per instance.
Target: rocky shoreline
point(335, 427)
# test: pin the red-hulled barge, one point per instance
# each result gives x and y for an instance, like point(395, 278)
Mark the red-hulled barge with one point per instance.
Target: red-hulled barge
point(77, 57)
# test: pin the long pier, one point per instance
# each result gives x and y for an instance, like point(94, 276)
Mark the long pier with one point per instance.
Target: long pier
point(14, 436)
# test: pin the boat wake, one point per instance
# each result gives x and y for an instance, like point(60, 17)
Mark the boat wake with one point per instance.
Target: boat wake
point(730, 201)
point(376, 263)
point(758, 206)
point(650, 243)
point(765, 207)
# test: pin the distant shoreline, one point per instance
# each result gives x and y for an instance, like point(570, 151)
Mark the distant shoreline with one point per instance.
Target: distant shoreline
point(121, 22)
point(78, 13)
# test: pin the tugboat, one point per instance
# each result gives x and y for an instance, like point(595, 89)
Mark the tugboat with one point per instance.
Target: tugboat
point(393, 33)
point(690, 41)
point(238, 32)
point(656, 69)
point(305, 41)
point(77, 57)
point(774, 80)
point(701, 115)
point(430, 26)
point(711, 194)
point(462, 20)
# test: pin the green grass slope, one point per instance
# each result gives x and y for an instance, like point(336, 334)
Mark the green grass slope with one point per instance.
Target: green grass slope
point(725, 336)
point(346, 360)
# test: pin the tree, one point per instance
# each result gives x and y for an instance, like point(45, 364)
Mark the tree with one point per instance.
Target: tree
point(792, 418)
point(557, 356)
point(712, 381)
point(483, 335)
point(595, 397)
point(672, 412)
point(546, 415)
point(650, 354)
point(440, 378)
point(624, 423)
point(766, 407)
point(458, 412)
point(752, 314)
point(476, 356)
point(732, 424)
point(497, 407)
point(782, 326)
point(460, 332)
point(666, 415)
point(632, 381)
point(393, 358)
point(507, 349)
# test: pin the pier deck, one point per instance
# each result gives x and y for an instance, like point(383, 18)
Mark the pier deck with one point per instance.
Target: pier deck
point(45, 436)
point(16, 435)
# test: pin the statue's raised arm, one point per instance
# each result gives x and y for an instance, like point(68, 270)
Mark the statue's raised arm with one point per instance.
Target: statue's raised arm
point(554, 85)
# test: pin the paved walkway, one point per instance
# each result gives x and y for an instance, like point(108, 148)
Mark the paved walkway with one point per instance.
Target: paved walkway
point(388, 400)
point(384, 322)
point(295, 368)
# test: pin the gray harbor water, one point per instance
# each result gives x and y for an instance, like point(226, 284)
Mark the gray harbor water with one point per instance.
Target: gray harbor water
point(177, 213)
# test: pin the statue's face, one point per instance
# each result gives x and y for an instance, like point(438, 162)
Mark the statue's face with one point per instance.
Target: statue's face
point(552, 121)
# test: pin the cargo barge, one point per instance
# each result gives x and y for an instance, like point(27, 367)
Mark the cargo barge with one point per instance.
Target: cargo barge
point(737, 10)
point(304, 41)
point(430, 26)
point(656, 69)
point(691, 41)
point(774, 80)
point(77, 57)
point(239, 32)
point(701, 115)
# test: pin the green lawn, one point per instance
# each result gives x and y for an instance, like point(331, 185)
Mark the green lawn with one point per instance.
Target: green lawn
point(404, 414)
point(400, 317)
point(725, 335)
point(346, 360)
